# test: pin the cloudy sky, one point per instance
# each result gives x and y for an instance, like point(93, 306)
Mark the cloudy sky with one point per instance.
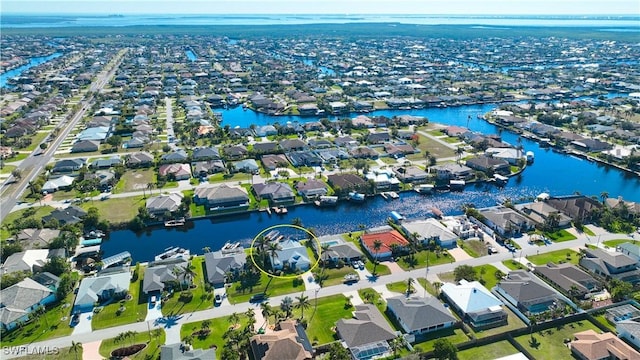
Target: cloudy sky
point(463, 7)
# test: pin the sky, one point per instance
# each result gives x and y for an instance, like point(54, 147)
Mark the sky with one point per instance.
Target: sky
point(341, 7)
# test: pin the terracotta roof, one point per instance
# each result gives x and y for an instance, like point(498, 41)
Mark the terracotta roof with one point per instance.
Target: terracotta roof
point(387, 238)
point(592, 345)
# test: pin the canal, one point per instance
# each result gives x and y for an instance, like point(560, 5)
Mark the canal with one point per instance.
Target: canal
point(35, 61)
point(554, 173)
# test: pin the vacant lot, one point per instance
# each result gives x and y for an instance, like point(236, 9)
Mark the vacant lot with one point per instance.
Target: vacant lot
point(135, 180)
point(557, 257)
point(117, 210)
point(549, 344)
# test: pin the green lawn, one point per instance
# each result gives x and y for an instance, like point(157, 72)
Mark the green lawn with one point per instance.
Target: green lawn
point(322, 319)
point(514, 265)
point(428, 286)
point(486, 275)
point(616, 242)
point(560, 235)
point(400, 287)
point(456, 336)
point(421, 260)
point(380, 269)
point(218, 327)
point(475, 248)
point(602, 319)
point(55, 323)
point(335, 276)
point(488, 352)
point(7, 169)
point(271, 285)
point(135, 180)
point(435, 148)
point(550, 342)
point(558, 257)
point(200, 299)
point(20, 214)
point(152, 350)
point(117, 210)
point(59, 354)
point(220, 177)
point(513, 323)
point(135, 309)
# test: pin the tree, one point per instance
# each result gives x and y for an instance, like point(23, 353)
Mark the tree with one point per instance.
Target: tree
point(17, 173)
point(620, 289)
point(205, 324)
point(338, 352)
point(444, 349)
point(57, 266)
point(303, 303)
point(189, 272)
point(466, 272)
point(114, 141)
point(396, 344)
point(377, 245)
point(234, 319)
point(459, 152)
point(287, 306)
point(274, 247)
point(75, 348)
point(603, 196)
point(410, 282)
point(266, 310)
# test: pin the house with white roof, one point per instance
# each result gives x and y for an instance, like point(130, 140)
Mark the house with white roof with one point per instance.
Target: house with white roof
point(475, 304)
point(293, 255)
point(511, 155)
point(30, 260)
point(384, 179)
point(430, 229)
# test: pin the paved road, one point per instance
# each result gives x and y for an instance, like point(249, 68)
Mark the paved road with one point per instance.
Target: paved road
point(228, 309)
point(32, 165)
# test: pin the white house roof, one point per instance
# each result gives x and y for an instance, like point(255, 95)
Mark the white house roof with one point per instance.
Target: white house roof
point(25, 260)
point(470, 297)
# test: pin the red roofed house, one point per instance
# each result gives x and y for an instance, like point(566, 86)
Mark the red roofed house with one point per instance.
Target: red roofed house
point(387, 236)
point(589, 345)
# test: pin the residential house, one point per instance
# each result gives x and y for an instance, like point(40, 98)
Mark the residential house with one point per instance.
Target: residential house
point(452, 171)
point(67, 166)
point(275, 192)
point(540, 212)
point(383, 179)
point(506, 221)
point(311, 188)
point(105, 163)
point(611, 265)
point(632, 208)
point(249, 166)
point(569, 279)
point(363, 152)
point(430, 230)
point(345, 141)
point(389, 239)
point(266, 130)
point(272, 162)
point(292, 255)
point(70, 215)
point(489, 164)
point(304, 158)
point(527, 294)
point(175, 171)
point(135, 142)
point(479, 307)
point(630, 249)
point(29, 260)
point(102, 288)
point(575, 206)
point(347, 182)
point(362, 121)
point(265, 147)
point(221, 197)
point(320, 143)
point(410, 174)
point(205, 153)
point(99, 134)
point(19, 300)
point(591, 145)
point(64, 182)
point(161, 204)
point(164, 274)
point(139, 159)
point(178, 352)
point(378, 138)
point(332, 156)
point(205, 168)
point(420, 315)
point(590, 345)
point(36, 238)
point(510, 155)
point(367, 334)
point(292, 145)
point(85, 146)
point(337, 250)
point(629, 330)
point(399, 150)
point(177, 156)
point(222, 263)
point(289, 341)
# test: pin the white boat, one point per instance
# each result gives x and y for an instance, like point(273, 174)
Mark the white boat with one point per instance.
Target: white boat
point(500, 179)
point(457, 184)
point(174, 223)
point(356, 196)
point(425, 189)
point(530, 156)
point(172, 253)
point(327, 201)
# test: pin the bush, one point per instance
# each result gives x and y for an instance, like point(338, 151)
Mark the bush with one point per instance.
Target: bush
point(128, 351)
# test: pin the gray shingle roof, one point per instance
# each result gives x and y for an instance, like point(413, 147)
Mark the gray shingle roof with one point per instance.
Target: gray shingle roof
point(17, 299)
point(418, 313)
point(161, 272)
point(218, 264)
point(368, 326)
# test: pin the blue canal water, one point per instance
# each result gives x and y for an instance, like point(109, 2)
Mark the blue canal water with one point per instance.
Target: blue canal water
point(191, 55)
point(19, 70)
point(554, 173)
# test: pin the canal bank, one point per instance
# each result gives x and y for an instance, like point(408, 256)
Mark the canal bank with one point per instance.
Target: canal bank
point(4, 77)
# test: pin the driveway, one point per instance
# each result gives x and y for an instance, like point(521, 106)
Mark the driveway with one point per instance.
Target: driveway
point(309, 282)
point(90, 351)
point(459, 254)
point(155, 310)
point(84, 324)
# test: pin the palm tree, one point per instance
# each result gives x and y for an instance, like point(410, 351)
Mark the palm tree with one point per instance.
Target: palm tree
point(437, 285)
point(396, 344)
point(188, 340)
point(603, 196)
point(178, 272)
point(75, 347)
point(150, 187)
point(206, 249)
point(459, 152)
point(377, 245)
point(261, 244)
point(287, 306)
point(189, 272)
point(234, 319)
point(274, 247)
point(205, 324)
point(266, 310)
point(303, 303)
point(410, 282)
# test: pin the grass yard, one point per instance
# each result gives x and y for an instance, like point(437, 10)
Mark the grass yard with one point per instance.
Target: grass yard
point(400, 287)
point(486, 275)
point(7, 169)
point(435, 148)
point(199, 300)
point(475, 248)
point(38, 213)
point(558, 257)
point(550, 343)
point(135, 180)
point(54, 323)
point(135, 309)
point(152, 350)
point(514, 265)
point(616, 242)
point(271, 285)
point(602, 319)
point(117, 210)
point(488, 352)
point(431, 289)
point(335, 276)
point(36, 139)
point(380, 268)
point(218, 327)
point(61, 354)
point(421, 260)
point(560, 235)
point(323, 318)
point(221, 177)
point(456, 336)
point(513, 323)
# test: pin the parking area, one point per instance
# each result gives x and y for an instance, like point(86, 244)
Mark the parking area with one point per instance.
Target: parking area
point(84, 323)
point(155, 309)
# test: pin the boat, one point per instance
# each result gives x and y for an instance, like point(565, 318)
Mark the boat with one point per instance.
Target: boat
point(396, 217)
point(327, 201)
point(271, 235)
point(280, 210)
point(457, 184)
point(94, 234)
point(175, 222)
point(231, 247)
point(91, 242)
point(173, 253)
point(530, 156)
point(393, 195)
point(356, 196)
point(500, 180)
point(425, 189)
point(437, 212)
point(385, 196)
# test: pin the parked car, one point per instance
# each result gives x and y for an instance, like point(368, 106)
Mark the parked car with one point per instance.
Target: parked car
point(258, 298)
point(492, 250)
point(218, 299)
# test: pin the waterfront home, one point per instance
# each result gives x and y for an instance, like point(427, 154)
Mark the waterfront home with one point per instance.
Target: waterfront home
point(101, 288)
point(175, 171)
point(31, 238)
point(164, 274)
point(506, 221)
point(410, 174)
point(450, 171)
point(630, 249)
point(68, 166)
point(221, 197)
point(591, 145)
point(629, 330)
point(575, 206)
point(347, 182)
point(106, 163)
point(611, 265)
point(337, 107)
point(204, 168)
point(292, 255)
point(249, 166)
point(288, 341)
point(540, 212)
point(383, 179)
point(304, 158)
point(220, 264)
point(176, 156)
point(205, 153)
point(389, 239)
point(29, 260)
point(489, 165)
point(591, 345)
point(472, 301)
point(632, 208)
point(527, 294)
point(311, 188)
point(85, 146)
point(266, 130)
point(271, 162)
point(265, 147)
point(70, 215)
point(362, 121)
point(178, 352)
point(366, 334)
point(430, 230)
point(568, 278)
point(510, 155)
point(64, 182)
point(275, 192)
point(159, 205)
point(337, 250)
point(420, 315)
point(19, 300)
